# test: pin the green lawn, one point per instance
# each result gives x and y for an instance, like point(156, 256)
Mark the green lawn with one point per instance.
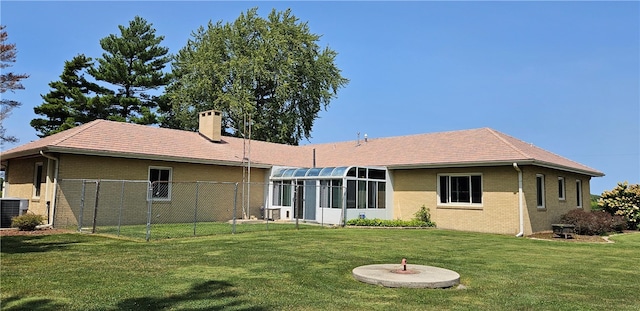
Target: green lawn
point(311, 270)
point(184, 230)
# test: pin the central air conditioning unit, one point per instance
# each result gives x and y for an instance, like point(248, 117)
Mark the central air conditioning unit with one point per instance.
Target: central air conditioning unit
point(11, 207)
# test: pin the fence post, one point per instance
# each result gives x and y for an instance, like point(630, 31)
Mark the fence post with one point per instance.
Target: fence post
point(235, 205)
point(95, 207)
point(80, 218)
point(195, 210)
point(121, 205)
point(149, 206)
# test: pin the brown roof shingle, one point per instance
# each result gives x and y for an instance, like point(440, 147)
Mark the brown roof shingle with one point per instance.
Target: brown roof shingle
point(466, 147)
point(482, 146)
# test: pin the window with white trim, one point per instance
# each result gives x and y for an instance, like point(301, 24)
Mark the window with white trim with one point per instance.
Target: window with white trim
point(160, 179)
point(561, 189)
point(366, 188)
point(331, 193)
point(460, 189)
point(282, 193)
point(540, 190)
point(579, 193)
point(37, 179)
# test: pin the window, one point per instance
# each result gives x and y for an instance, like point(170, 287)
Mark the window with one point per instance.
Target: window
point(368, 190)
point(336, 193)
point(362, 194)
point(382, 195)
point(160, 179)
point(579, 193)
point(282, 193)
point(457, 189)
point(37, 180)
point(561, 188)
point(331, 193)
point(540, 190)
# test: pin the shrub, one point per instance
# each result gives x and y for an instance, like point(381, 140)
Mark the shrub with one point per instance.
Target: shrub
point(376, 222)
point(27, 222)
point(422, 219)
point(424, 215)
point(623, 200)
point(594, 223)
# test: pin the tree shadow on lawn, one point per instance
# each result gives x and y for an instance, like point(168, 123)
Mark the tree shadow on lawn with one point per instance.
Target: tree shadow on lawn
point(209, 296)
point(35, 304)
point(29, 244)
point(213, 295)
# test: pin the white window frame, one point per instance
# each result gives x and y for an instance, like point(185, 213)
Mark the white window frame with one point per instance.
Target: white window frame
point(37, 182)
point(540, 191)
point(562, 193)
point(150, 195)
point(579, 195)
point(470, 203)
point(280, 197)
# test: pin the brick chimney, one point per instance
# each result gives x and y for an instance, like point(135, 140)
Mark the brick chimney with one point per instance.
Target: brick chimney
point(210, 123)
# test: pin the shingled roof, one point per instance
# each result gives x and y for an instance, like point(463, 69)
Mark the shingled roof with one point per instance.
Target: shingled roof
point(476, 147)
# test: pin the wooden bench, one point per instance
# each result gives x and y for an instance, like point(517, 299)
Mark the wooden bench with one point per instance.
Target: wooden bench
point(563, 230)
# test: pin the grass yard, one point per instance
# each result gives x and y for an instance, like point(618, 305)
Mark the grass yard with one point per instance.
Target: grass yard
point(311, 270)
point(184, 230)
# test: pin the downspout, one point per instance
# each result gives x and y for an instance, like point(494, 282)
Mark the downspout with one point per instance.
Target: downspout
point(55, 185)
point(520, 201)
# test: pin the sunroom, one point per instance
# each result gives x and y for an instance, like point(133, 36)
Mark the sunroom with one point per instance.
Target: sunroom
point(329, 195)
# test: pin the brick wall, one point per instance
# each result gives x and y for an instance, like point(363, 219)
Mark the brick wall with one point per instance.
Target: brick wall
point(21, 175)
point(20, 178)
point(499, 212)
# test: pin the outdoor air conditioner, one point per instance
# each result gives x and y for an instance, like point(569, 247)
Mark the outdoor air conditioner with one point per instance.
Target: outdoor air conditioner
point(11, 207)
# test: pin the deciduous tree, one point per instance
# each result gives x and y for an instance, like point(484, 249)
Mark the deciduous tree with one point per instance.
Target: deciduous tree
point(267, 74)
point(623, 200)
point(9, 81)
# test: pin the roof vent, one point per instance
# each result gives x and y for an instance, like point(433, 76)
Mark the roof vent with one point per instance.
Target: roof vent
point(210, 125)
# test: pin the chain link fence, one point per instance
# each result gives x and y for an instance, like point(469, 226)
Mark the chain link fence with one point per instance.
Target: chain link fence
point(159, 210)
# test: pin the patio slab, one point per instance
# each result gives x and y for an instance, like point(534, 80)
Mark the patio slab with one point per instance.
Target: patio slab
point(415, 276)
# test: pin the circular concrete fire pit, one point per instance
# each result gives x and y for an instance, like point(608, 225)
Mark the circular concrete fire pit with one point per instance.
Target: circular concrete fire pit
point(410, 276)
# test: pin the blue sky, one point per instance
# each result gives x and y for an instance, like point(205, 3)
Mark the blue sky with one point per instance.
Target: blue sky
point(564, 76)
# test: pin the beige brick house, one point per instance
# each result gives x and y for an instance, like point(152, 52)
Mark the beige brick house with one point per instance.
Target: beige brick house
point(474, 180)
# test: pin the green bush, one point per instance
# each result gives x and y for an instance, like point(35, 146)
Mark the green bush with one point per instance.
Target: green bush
point(27, 222)
point(422, 219)
point(594, 223)
point(376, 222)
point(424, 215)
point(623, 200)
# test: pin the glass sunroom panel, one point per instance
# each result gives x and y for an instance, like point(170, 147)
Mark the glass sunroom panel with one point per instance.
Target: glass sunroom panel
point(324, 193)
point(362, 194)
point(351, 193)
point(326, 171)
point(382, 194)
point(339, 171)
point(301, 172)
point(278, 172)
point(372, 194)
point(314, 171)
point(336, 193)
point(286, 193)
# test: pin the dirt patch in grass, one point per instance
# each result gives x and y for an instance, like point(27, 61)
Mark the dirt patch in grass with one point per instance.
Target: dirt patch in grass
point(548, 235)
point(43, 231)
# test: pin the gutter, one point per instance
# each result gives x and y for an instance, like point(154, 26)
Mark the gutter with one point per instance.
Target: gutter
point(520, 201)
point(55, 187)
